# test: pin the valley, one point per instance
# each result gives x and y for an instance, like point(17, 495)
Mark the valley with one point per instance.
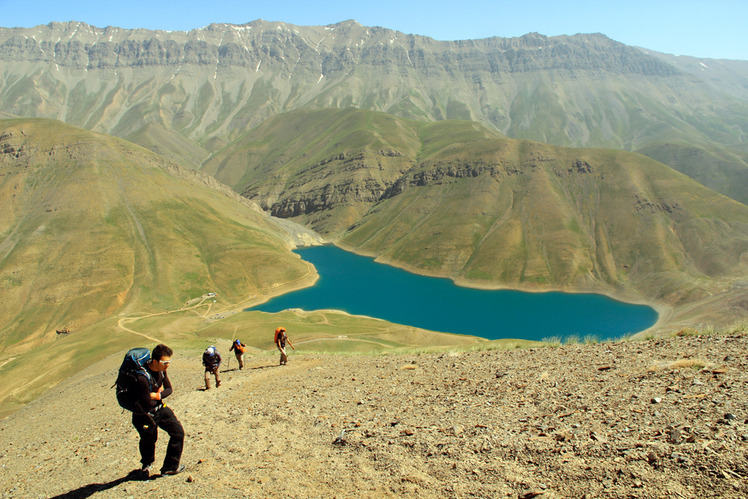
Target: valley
point(142, 169)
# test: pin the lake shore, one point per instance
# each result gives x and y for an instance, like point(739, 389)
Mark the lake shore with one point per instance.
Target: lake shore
point(357, 284)
point(664, 311)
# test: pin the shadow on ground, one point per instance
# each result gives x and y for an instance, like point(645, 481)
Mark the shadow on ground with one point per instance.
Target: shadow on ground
point(92, 488)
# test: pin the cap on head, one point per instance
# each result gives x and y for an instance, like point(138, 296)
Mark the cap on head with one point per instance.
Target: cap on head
point(211, 350)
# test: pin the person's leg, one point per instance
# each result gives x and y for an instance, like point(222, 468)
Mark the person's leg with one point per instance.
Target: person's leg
point(148, 432)
point(218, 379)
point(207, 379)
point(168, 422)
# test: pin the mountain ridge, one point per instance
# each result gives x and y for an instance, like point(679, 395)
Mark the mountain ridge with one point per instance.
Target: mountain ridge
point(205, 87)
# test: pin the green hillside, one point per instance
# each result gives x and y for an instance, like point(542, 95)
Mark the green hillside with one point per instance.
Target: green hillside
point(721, 169)
point(456, 199)
point(95, 228)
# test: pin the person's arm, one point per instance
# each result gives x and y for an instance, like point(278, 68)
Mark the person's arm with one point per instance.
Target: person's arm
point(289, 342)
point(165, 389)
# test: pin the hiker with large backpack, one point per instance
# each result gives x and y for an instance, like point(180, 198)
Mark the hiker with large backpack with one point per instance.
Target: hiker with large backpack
point(211, 361)
point(280, 341)
point(239, 348)
point(142, 385)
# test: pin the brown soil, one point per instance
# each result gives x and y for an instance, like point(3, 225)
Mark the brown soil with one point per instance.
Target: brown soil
point(659, 418)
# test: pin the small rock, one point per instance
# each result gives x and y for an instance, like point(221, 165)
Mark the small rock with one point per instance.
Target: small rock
point(340, 440)
point(675, 436)
point(529, 494)
point(656, 400)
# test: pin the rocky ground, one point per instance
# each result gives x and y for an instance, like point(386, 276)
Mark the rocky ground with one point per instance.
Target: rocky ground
point(657, 418)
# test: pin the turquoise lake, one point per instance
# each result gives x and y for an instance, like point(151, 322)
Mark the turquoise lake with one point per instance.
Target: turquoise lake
point(358, 285)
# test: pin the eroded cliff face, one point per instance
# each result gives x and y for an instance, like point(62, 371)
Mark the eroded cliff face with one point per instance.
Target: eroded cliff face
point(326, 49)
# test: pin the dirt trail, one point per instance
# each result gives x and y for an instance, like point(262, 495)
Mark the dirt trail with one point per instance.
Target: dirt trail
point(660, 418)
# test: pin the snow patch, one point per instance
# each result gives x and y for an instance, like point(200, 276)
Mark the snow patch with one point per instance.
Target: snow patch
point(175, 73)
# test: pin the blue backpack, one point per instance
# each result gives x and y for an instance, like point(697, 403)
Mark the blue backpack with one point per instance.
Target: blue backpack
point(132, 367)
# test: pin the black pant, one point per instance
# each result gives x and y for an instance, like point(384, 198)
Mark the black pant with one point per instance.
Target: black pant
point(148, 426)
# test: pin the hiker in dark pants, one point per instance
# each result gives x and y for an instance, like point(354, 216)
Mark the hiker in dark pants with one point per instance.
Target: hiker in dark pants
point(158, 415)
point(211, 361)
point(280, 341)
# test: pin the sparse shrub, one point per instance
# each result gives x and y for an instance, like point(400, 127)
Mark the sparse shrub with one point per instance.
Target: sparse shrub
point(625, 337)
point(553, 341)
point(688, 331)
point(739, 327)
point(686, 363)
point(572, 339)
point(591, 339)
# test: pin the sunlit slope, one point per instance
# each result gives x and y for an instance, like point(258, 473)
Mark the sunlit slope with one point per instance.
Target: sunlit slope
point(456, 199)
point(94, 226)
point(326, 167)
point(497, 210)
point(721, 169)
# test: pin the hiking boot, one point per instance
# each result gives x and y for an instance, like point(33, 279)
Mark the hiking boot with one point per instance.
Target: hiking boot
point(218, 383)
point(175, 471)
point(145, 472)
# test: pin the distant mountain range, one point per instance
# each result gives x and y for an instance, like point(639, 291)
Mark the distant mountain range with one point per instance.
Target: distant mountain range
point(185, 95)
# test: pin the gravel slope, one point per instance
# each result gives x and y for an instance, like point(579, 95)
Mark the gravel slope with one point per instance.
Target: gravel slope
point(658, 418)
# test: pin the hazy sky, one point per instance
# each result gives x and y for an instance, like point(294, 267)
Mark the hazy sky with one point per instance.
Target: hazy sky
point(700, 28)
